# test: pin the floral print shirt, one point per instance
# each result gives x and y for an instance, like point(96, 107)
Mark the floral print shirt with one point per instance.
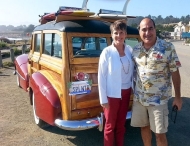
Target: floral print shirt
point(153, 72)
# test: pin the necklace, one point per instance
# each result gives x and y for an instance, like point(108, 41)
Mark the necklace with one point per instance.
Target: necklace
point(123, 66)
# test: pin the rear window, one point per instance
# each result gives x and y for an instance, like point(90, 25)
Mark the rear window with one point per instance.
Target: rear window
point(88, 46)
point(131, 41)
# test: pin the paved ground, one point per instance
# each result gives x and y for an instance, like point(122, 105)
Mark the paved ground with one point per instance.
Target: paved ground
point(17, 124)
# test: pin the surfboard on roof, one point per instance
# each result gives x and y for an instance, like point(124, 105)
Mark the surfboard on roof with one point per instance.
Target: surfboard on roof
point(67, 13)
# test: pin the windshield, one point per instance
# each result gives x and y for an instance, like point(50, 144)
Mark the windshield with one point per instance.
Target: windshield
point(131, 41)
point(92, 46)
point(88, 46)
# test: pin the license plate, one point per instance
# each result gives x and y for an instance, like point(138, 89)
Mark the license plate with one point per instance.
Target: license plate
point(79, 87)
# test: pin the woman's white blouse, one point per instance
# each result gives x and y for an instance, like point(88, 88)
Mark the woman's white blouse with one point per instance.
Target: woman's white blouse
point(109, 73)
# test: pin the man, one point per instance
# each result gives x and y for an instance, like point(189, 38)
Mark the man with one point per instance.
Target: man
point(156, 63)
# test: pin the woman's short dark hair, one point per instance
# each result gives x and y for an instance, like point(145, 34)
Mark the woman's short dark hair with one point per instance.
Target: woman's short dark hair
point(119, 25)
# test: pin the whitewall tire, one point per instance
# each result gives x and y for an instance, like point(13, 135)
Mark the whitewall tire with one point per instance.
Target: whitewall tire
point(18, 80)
point(37, 120)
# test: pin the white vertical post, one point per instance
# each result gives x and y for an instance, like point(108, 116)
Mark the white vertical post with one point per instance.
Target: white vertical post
point(125, 7)
point(1, 62)
point(24, 47)
point(84, 5)
point(12, 56)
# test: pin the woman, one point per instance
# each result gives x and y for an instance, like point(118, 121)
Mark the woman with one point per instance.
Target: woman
point(114, 82)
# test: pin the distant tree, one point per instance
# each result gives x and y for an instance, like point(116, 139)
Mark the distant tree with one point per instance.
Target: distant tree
point(171, 19)
point(153, 18)
point(187, 19)
point(176, 20)
point(160, 27)
point(159, 20)
point(134, 21)
point(19, 28)
point(134, 25)
point(3, 28)
point(149, 16)
point(167, 20)
point(158, 32)
point(169, 28)
point(183, 19)
point(30, 28)
point(10, 27)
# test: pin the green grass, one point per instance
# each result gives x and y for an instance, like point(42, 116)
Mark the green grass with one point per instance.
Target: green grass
point(8, 64)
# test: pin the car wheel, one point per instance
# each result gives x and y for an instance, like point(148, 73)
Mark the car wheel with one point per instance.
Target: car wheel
point(18, 80)
point(37, 120)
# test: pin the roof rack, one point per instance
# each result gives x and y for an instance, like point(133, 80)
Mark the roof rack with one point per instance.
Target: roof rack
point(74, 13)
point(84, 4)
point(125, 7)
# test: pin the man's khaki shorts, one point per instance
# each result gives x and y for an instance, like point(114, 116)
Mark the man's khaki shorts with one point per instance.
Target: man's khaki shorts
point(155, 116)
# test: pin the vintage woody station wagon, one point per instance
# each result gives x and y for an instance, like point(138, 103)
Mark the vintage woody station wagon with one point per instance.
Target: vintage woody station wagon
point(60, 72)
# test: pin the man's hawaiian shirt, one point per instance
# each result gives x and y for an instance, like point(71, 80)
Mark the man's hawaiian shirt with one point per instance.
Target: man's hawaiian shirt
point(153, 72)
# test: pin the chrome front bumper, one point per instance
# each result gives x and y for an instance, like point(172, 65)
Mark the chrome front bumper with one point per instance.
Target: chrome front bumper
point(84, 124)
point(81, 125)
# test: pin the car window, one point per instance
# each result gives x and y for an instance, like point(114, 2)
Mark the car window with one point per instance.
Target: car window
point(131, 41)
point(37, 42)
point(88, 46)
point(47, 44)
point(57, 47)
point(52, 45)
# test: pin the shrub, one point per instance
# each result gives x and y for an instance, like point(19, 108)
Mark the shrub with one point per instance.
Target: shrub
point(3, 45)
point(8, 64)
point(17, 51)
point(27, 50)
point(188, 41)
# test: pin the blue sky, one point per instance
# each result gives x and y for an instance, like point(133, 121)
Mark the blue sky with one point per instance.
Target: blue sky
point(20, 12)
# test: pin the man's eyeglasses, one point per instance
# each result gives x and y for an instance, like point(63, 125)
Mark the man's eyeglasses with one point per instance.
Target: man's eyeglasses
point(174, 113)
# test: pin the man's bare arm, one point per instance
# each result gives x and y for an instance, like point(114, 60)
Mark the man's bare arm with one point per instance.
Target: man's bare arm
point(176, 79)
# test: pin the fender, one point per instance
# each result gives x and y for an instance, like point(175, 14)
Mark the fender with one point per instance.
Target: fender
point(21, 68)
point(48, 106)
